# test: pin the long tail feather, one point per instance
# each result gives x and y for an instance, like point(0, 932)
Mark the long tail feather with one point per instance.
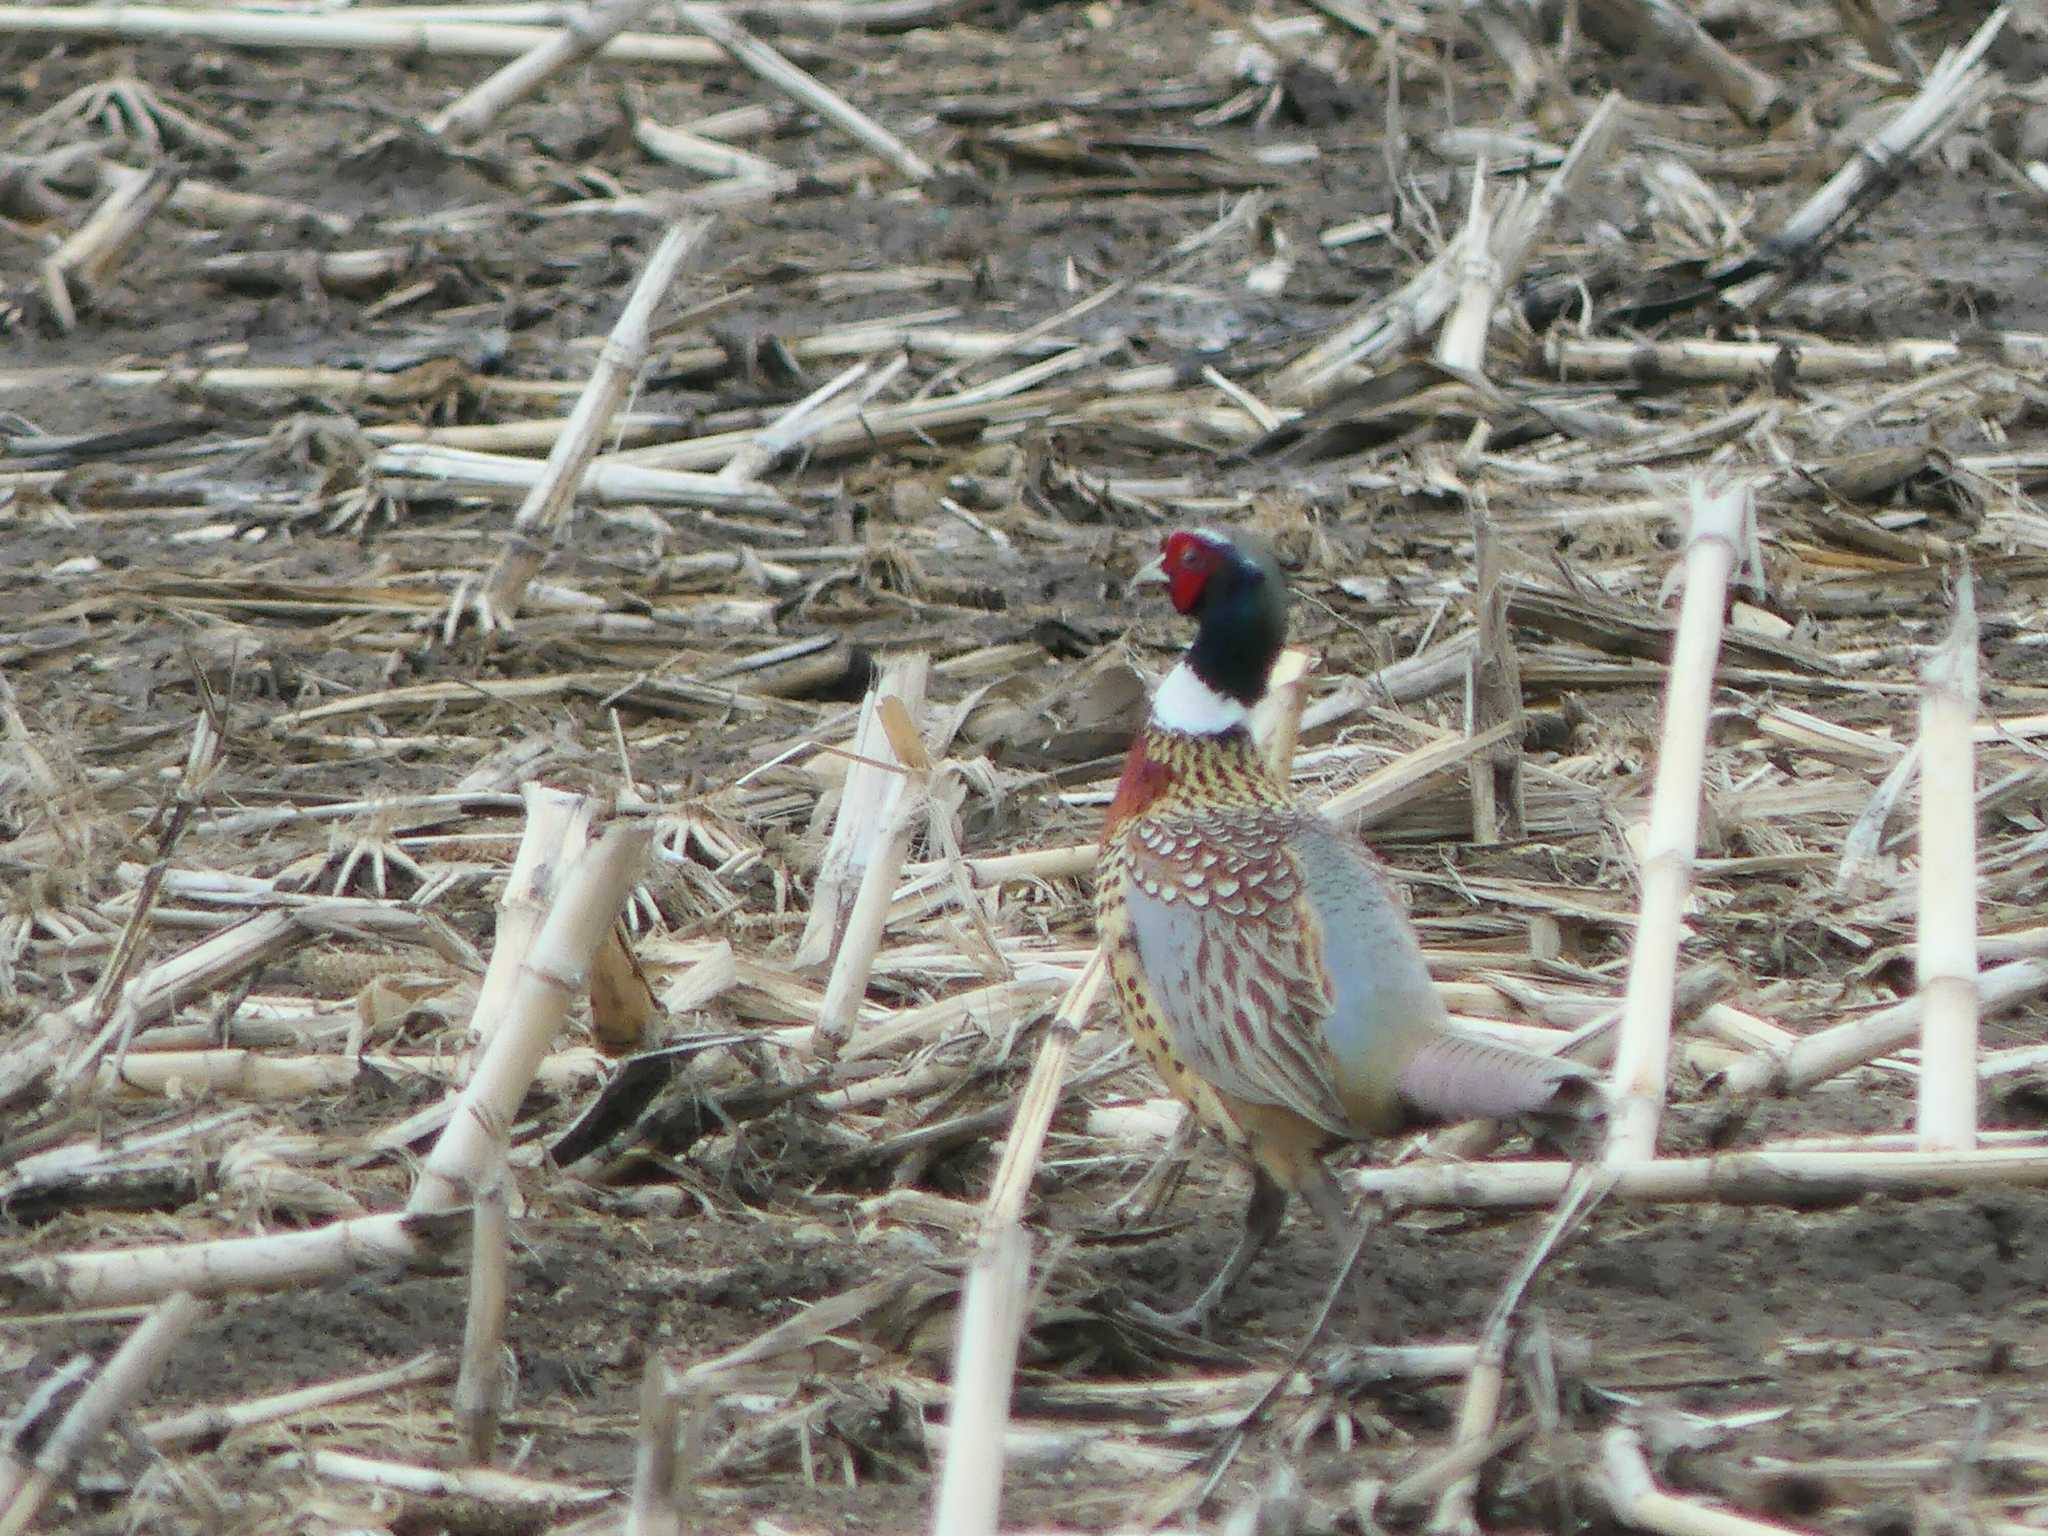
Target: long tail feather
point(1454, 1078)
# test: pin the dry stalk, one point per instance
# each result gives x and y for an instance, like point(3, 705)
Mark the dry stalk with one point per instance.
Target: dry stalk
point(868, 919)
point(212, 963)
point(545, 512)
point(217, 1423)
point(1276, 720)
point(557, 833)
point(582, 36)
point(1661, 29)
point(1811, 359)
point(869, 799)
point(1797, 1179)
point(482, 1486)
point(1815, 1058)
point(992, 1321)
point(1372, 330)
point(552, 976)
point(802, 87)
point(1462, 343)
point(1454, 1513)
point(122, 1276)
point(1714, 542)
point(83, 262)
point(1624, 1482)
point(1878, 31)
point(1946, 955)
point(386, 32)
point(1493, 696)
point(126, 1377)
point(607, 482)
point(483, 1390)
point(202, 758)
point(1955, 86)
point(992, 1315)
point(653, 1511)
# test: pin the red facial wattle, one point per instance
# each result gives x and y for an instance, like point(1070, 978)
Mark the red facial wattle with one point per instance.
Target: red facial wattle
point(1189, 561)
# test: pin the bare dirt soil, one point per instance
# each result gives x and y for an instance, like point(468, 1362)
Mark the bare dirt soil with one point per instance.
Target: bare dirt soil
point(1874, 1366)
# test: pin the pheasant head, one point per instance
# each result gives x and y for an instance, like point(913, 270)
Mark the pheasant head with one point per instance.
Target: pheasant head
point(1233, 589)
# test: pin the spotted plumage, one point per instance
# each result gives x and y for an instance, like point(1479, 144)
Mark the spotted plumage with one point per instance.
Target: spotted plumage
point(1263, 966)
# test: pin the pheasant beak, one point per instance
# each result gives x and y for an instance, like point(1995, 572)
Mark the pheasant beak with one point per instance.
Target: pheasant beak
point(1152, 573)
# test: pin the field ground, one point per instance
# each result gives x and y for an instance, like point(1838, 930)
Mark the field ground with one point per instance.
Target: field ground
point(176, 525)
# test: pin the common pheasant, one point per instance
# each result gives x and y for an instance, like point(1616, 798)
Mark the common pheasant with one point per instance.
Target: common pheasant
point(1263, 967)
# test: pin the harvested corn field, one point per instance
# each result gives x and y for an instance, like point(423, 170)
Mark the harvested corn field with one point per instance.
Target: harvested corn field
point(569, 631)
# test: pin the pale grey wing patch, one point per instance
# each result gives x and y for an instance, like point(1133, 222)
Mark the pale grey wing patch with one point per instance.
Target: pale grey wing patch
point(1382, 1000)
point(1233, 1006)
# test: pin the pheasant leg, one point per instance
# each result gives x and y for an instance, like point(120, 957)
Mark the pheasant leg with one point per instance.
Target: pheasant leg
point(1262, 1217)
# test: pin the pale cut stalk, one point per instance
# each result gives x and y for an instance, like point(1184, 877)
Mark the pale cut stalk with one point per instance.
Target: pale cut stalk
point(653, 1511)
point(1624, 1481)
point(359, 271)
point(1719, 532)
point(552, 976)
point(817, 413)
point(1665, 29)
point(970, 1481)
point(1946, 957)
point(1796, 1179)
point(123, 1276)
point(544, 516)
point(1811, 359)
point(557, 832)
point(223, 208)
point(1959, 82)
point(779, 72)
point(202, 758)
point(1373, 329)
point(249, 1072)
point(126, 1377)
point(232, 1071)
point(992, 1320)
point(1461, 344)
point(1493, 695)
point(1484, 1383)
point(213, 962)
point(82, 262)
point(1001, 402)
point(867, 803)
point(216, 1423)
point(385, 34)
point(1879, 34)
point(847, 984)
point(583, 33)
point(1587, 155)
point(1276, 718)
point(1386, 789)
point(1815, 1058)
point(482, 1388)
point(608, 482)
point(485, 1485)
point(692, 151)
point(537, 434)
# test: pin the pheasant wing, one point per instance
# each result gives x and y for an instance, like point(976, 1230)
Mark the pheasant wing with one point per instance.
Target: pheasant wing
point(1231, 953)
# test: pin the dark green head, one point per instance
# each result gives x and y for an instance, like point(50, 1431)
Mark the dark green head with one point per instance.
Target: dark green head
point(1231, 586)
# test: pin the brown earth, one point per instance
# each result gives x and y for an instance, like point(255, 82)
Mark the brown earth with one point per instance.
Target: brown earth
point(1902, 1342)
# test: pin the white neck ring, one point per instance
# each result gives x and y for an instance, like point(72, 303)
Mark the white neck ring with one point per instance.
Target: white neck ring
point(1186, 704)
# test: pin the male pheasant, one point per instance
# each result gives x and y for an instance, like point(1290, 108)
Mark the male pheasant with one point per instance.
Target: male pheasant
point(1263, 967)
